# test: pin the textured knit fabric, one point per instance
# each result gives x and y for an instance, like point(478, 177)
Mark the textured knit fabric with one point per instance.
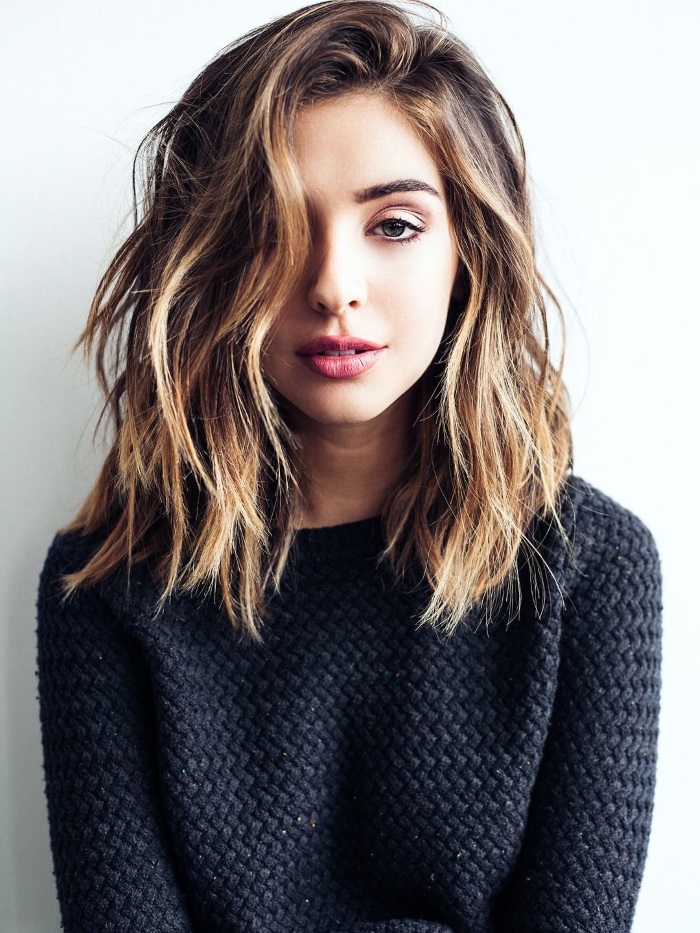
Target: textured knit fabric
point(356, 773)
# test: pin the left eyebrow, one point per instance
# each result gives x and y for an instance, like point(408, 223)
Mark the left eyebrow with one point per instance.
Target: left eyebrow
point(392, 187)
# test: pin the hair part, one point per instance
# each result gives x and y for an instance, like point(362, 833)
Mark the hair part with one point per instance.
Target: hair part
point(203, 470)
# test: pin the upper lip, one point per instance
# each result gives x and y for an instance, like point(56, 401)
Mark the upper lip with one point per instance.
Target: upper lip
point(337, 345)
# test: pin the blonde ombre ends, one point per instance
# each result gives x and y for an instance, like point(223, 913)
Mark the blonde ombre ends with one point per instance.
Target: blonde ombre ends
point(203, 471)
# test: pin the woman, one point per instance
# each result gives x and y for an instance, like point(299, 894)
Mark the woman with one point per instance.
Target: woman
point(338, 641)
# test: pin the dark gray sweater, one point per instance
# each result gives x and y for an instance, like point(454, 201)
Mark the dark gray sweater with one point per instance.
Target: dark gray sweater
point(354, 774)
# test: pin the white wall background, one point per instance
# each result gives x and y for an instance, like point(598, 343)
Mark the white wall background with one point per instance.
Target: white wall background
point(606, 96)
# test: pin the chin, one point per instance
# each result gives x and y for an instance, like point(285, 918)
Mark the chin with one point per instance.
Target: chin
point(336, 412)
point(341, 416)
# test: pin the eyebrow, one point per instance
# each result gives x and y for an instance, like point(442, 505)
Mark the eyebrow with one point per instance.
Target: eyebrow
point(392, 187)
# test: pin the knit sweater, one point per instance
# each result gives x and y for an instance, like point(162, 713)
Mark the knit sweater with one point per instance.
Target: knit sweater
point(357, 773)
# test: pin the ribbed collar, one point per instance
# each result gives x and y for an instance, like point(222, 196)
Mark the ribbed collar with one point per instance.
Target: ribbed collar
point(362, 540)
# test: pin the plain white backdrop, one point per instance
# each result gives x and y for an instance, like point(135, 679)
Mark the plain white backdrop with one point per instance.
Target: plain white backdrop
point(606, 97)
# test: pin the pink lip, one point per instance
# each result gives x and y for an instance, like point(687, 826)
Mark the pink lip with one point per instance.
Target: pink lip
point(340, 367)
point(337, 345)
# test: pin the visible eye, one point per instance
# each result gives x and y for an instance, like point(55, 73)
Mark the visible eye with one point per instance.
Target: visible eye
point(393, 228)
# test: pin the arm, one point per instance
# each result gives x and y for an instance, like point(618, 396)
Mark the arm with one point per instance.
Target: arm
point(112, 864)
point(583, 854)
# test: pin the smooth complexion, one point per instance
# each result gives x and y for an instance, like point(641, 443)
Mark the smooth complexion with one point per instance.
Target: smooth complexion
point(382, 268)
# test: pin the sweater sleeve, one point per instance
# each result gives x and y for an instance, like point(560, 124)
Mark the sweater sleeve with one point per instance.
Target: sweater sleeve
point(581, 863)
point(112, 864)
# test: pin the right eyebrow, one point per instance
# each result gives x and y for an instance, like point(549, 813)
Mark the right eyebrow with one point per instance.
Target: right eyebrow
point(392, 187)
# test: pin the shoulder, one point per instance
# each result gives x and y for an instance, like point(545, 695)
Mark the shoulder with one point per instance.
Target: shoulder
point(613, 565)
point(602, 531)
point(594, 537)
point(69, 552)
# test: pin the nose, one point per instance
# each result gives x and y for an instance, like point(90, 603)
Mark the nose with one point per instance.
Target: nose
point(337, 283)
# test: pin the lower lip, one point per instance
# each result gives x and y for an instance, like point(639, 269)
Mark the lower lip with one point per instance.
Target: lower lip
point(342, 367)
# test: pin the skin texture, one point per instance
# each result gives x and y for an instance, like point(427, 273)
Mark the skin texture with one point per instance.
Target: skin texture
point(370, 275)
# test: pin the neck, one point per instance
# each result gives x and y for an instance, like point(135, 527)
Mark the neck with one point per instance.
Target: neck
point(349, 470)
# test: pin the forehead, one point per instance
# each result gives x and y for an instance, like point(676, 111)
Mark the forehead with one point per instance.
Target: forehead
point(357, 140)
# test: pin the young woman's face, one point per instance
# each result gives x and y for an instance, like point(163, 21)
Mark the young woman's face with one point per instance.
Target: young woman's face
point(382, 267)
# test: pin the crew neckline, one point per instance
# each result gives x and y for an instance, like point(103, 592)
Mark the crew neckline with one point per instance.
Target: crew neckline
point(361, 539)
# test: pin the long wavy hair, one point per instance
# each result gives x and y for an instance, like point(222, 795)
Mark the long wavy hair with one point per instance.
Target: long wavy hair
point(202, 475)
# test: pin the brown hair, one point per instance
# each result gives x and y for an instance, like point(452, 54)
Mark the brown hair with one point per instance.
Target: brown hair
point(202, 473)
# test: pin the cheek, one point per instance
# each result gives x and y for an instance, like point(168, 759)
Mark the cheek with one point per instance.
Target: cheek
point(282, 336)
point(419, 301)
point(429, 271)
point(273, 355)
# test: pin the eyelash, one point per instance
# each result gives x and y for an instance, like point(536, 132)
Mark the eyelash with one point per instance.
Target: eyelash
point(404, 223)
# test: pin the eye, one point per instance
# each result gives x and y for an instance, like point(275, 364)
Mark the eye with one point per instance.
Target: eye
point(393, 228)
